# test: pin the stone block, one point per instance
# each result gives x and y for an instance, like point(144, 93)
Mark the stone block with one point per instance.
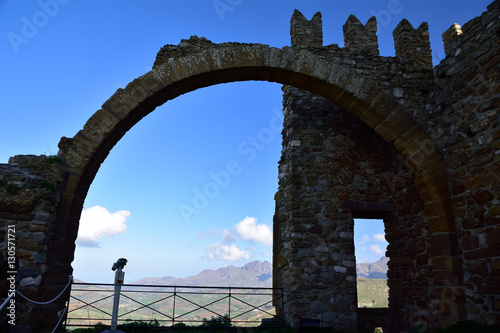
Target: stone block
point(442, 207)
point(32, 271)
point(304, 63)
point(298, 308)
point(166, 73)
point(494, 237)
point(138, 90)
point(189, 66)
point(151, 81)
point(444, 244)
point(470, 242)
point(281, 261)
point(28, 245)
point(482, 197)
point(30, 281)
point(482, 253)
point(359, 107)
point(40, 258)
point(446, 263)
point(41, 216)
point(339, 76)
point(413, 140)
point(37, 228)
point(100, 124)
point(495, 304)
point(120, 104)
point(400, 262)
point(435, 192)
point(446, 278)
point(425, 158)
point(39, 237)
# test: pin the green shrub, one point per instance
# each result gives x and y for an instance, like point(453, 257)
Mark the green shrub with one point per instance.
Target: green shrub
point(215, 322)
point(13, 189)
point(53, 160)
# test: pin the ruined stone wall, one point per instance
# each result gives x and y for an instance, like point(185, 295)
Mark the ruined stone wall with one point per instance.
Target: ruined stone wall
point(415, 145)
point(357, 174)
point(335, 168)
point(28, 202)
point(466, 125)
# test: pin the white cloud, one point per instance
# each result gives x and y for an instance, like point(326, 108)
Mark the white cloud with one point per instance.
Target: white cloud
point(96, 222)
point(248, 229)
point(377, 250)
point(379, 237)
point(212, 232)
point(365, 239)
point(225, 252)
point(228, 236)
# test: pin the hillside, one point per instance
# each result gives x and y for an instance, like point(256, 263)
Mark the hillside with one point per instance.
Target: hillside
point(376, 270)
point(371, 293)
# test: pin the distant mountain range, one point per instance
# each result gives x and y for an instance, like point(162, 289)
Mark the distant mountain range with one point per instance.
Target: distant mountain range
point(372, 289)
point(376, 270)
point(252, 274)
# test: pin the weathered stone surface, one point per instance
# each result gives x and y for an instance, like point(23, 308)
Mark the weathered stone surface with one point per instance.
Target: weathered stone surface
point(387, 130)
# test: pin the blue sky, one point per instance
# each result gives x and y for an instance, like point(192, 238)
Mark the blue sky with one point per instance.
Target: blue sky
point(191, 186)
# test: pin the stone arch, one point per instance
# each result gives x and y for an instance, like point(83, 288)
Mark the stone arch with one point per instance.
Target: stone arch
point(212, 64)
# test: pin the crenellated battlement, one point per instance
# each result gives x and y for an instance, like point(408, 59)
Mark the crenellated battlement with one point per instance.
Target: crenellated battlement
point(361, 38)
point(413, 44)
point(451, 38)
point(305, 32)
point(363, 136)
point(467, 38)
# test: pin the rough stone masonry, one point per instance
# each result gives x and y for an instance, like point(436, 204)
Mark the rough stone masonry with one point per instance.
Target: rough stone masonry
point(394, 138)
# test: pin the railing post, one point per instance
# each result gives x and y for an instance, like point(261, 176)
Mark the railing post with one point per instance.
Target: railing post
point(173, 308)
point(230, 304)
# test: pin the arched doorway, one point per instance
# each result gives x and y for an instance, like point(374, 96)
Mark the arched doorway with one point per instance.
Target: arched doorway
point(207, 64)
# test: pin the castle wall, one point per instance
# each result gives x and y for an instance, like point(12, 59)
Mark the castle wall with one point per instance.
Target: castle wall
point(29, 198)
point(392, 138)
point(334, 168)
point(466, 125)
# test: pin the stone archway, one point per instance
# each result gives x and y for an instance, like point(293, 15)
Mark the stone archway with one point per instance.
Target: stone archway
point(441, 121)
point(197, 63)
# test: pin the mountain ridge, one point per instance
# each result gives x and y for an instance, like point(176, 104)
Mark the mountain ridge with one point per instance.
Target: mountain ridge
point(375, 270)
point(252, 274)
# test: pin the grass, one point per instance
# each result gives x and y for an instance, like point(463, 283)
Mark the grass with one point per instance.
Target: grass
point(373, 293)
